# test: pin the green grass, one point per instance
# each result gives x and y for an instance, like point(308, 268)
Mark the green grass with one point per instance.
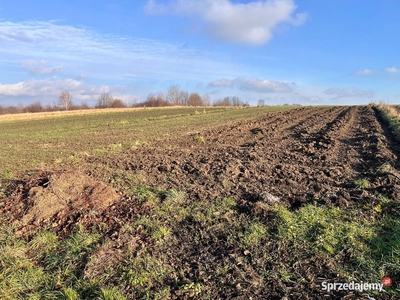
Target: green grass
point(362, 183)
point(47, 267)
point(351, 245)
point(391, 117)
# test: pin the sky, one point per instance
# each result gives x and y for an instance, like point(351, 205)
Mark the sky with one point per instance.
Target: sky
point(309, 52)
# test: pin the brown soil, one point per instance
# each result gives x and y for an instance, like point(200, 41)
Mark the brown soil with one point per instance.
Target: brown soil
point(302, 156)
point(63, 199)
point(309, 155)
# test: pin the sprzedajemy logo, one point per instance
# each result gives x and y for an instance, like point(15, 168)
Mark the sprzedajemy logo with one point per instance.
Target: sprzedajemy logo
point(356, 286)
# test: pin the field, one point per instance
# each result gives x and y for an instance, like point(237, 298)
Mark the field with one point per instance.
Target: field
point(193, 203)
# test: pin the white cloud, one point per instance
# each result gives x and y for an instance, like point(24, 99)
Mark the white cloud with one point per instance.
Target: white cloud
point(393, 70)
point(221, 83)
point(82, 50)
point(255, 84)
point(138, 64)
point(81, 76)
point(249, 23)
point(312, 99)
point(39, 67)
point(364, 72)
point(53, 88)
point(349, 93)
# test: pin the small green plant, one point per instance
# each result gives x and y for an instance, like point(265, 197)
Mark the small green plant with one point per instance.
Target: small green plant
point(192, 288)
point(111, 294)
point(175, 196)
point(362, 183)
point(386, 168)
point(144, 194)
point(70, 294)
point(200, 139)
point(254, 234)
point(100, 152)
point(144, 271)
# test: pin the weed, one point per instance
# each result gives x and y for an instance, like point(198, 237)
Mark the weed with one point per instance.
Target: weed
point(391, 117)
point(324, 229)
point(383, 199)
point(386, 168)
point(253, 234)
point(7, 175)
point(199, 139)
point(70, 294)
point(111, 294)
point(160, 233)
point(144, 194)
point(144, 272)
point(175, 196)
point(192, 288)
point(362, 183)
point(100, 152)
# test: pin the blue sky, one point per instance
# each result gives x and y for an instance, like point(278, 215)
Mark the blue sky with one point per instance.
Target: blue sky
point(284, 51)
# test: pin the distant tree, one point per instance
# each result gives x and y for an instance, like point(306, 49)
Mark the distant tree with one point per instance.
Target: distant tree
point(206, 100)
point(173, 95)
point(81, 106)
point(176, 96)
point(261, 102)
point(105, 100)
point(222, 102)
point(195, 100)
point(117, 103)
point(154, 101)
point(236, 101)
point(65, 100)
point(184, 98)
point(34, 107)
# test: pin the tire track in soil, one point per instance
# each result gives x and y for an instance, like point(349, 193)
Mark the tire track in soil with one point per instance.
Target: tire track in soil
point(350, 148)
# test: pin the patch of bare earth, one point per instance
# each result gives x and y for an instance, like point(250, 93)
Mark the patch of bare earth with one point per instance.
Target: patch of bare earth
point(60, 200)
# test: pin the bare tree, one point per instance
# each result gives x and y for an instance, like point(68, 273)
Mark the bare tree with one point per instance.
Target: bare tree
point(206, 100)
point(173, 94)
point(65, 100)
point(184, 98)
point(235, 100)
point(176, 96)
point(261, 102)
point(34, 107)
point(195, 100)
point(117, 103)
point(104, 100)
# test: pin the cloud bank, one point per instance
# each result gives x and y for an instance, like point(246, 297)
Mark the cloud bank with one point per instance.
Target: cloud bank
point(248, 23)
point(364, 72)
point(79, 55)
point(39, 67)
point(349, 93)
point(392, 70)
point(255, 84)
point(52, 88)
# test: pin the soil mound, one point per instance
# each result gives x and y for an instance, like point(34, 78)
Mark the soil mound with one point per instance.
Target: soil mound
point(49, 196)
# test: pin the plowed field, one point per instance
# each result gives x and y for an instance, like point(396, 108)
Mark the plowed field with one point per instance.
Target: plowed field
point(278, 170)
point(301, 156)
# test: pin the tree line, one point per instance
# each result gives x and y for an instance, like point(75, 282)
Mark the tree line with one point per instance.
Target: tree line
point(175, 96)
